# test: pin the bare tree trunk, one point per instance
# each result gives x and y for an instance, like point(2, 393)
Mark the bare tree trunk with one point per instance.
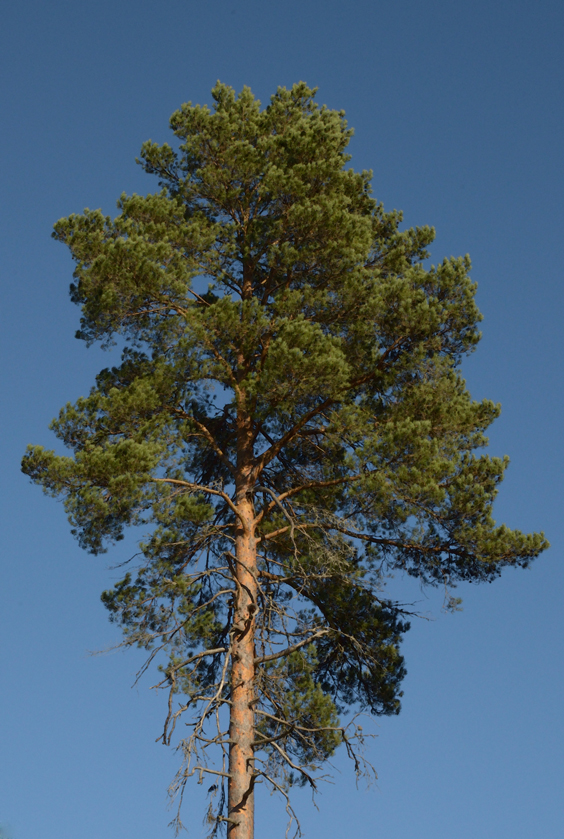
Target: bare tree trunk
point(241, 729)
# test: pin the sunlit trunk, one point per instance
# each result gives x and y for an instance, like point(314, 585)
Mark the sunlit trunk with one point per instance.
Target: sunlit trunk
point(241, 730)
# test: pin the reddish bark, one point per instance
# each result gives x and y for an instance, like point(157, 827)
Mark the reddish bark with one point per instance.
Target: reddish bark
point(240, 824)
point(241, 729)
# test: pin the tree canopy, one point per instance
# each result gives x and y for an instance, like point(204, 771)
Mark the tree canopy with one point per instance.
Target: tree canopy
point(288, 425)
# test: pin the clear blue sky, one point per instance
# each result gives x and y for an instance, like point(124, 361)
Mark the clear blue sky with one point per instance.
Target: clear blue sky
point(458, 108)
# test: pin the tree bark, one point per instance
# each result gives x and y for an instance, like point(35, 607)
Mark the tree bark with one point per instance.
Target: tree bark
point(241, 728)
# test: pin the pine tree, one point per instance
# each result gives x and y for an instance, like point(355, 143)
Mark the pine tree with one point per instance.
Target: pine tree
point(289, 426)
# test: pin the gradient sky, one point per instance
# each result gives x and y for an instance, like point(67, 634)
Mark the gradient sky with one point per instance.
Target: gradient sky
point(458, 108)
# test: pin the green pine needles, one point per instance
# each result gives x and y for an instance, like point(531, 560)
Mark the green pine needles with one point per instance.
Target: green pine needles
point(288, 424)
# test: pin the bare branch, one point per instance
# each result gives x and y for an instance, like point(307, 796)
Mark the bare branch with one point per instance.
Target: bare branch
point(200, 488)
point(289, 650)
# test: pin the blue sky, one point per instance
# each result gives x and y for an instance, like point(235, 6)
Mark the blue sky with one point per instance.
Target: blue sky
point(458, 109)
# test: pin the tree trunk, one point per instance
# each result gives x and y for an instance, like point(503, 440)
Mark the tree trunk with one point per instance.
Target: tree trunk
point(241, 729)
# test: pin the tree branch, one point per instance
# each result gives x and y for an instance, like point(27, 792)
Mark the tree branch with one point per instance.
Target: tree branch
point(200, 488)
point(289, 650)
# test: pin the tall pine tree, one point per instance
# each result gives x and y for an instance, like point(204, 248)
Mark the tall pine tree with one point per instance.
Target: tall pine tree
point(288, 425)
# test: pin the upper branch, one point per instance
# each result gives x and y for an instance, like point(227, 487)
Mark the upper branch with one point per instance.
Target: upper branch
point(272, 452)
point(210, 438)
point(200, 488)
point(289, 650)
